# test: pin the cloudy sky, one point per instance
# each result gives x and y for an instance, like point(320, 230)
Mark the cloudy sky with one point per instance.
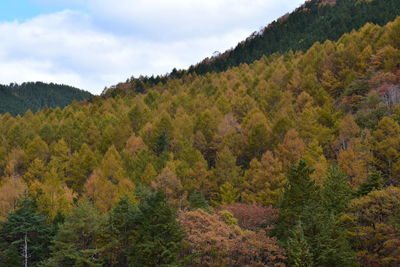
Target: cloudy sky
point(91, 44)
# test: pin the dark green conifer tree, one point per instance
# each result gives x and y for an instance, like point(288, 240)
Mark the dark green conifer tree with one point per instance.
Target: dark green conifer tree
point(25, 237)
point(120, 233)
point(374, 182)
point(159, 236)
point(332, 242)
point(77, 241)
point(299, 202)
point(336, 192)
point(298, 249)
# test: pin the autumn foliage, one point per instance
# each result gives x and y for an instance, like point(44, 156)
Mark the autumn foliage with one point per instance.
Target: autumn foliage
point(293, 160)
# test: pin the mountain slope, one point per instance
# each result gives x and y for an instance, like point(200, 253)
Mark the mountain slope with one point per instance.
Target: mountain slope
point(315, 21)
point(16, 99)
point(303, 147)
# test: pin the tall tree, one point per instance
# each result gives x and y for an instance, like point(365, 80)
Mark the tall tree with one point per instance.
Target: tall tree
point(264, 181)
point(386, 143)
point(336, 192)
point(299, 200)
point(77, 241)
point(81, 166)
point(226, 169)
point(12, 190)
point(158, 241)
point(298, 250)
point(168, 182)
point(291, 150)
point(25, 237)
point(52, 194)
point(317, 229)
point(108, 182)
point(375, 235)
point(119, 234)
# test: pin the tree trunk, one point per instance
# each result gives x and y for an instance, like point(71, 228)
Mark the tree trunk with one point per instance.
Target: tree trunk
point(26, 250)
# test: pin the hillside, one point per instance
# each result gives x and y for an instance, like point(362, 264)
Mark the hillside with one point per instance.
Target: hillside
point(290, 160)
point(314, 21)
point(17, 99)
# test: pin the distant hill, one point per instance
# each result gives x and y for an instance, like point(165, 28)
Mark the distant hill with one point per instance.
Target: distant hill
point(17, 99)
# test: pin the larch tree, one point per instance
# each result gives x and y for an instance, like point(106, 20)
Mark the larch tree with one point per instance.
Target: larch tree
point(35, 171)
point(386, 148)
point(37, 149)
point(226, 169)
point(81, 166)
point(52, 194)
point(108, 182)
point(12, 189)
point(374, 233)
point(354, 161)
point(264, 181)
point(291, 150)
point(169, 183)
point(228, 194)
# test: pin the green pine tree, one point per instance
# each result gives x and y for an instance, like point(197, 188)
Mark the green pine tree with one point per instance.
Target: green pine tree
point(298, 250)
point(332, 247)
point(198, 201)
point(299, 202)
point(76, 243)
point(331, 244)
point(119, 233)
point(159, 236)
point(336, 192)
point(374, 182)
point(25, 237)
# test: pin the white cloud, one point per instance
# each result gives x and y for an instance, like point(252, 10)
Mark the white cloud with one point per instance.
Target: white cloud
point(112, 40)
point(191, 17)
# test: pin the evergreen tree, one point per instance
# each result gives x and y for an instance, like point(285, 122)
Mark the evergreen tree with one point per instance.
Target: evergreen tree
point(336, 193)
point(298, 249)
point(317, 214)
point(119, 234)
point(299, 201)
point(24, 237)
point(76, 243)
point(332, 246)
point(159, 236)
point(374, 182)
point(198, 201)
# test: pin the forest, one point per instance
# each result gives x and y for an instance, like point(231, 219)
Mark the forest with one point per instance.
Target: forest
point(17, 99)
point(314, 21)
point(292, 160)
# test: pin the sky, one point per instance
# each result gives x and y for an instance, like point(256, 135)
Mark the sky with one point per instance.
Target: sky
point(91, 44)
